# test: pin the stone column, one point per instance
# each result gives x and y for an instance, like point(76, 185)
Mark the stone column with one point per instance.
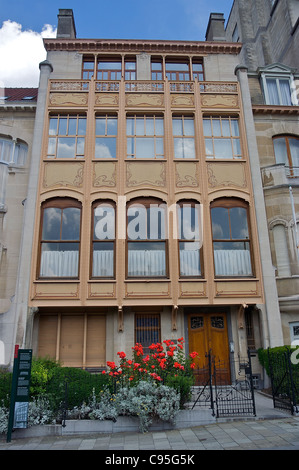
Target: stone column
point(270, 311)
point(16, 317)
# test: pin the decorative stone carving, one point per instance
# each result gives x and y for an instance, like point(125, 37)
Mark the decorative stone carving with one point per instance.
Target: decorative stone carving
point(219, 101)
point(182, 100)
point(69, 174)
point(104, 174)
point(140, 99)
point(186, 174)
point(145, 173)
point(68, 99)
point(226, 174)
point(103, 99)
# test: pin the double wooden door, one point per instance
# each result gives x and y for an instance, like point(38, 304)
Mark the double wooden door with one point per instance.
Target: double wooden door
point(208, 332)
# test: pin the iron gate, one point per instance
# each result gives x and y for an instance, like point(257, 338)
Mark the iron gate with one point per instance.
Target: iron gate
point(234, 397)
point(284, 377)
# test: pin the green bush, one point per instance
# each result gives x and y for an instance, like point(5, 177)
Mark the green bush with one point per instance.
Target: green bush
point(5, 387)
point(42, 370)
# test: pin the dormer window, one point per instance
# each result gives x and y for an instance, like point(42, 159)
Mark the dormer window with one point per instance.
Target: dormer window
point(278, 85)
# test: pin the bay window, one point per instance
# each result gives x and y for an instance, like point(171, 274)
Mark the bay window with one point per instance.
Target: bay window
point(103, 242)
point(60, 239)
point(146, 239)
point(231, 240)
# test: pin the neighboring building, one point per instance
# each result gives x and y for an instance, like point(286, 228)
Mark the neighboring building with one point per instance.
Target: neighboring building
point(147, 218)
point(17, 117)
point(270, 39)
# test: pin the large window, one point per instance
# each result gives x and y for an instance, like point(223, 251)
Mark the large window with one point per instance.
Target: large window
point(222, 137)
point(147, 330)
point(13, 152)
point(156, 70)
point(177, 71)
point(146, 239)
point(278, 85)
point(189, 239)
point(145, 137)
point(103, 242)
point(66, 136)
point(231, 239)
point(286, 150)
point(106, 135)
point(109, 69)
point(183, 137)
point(60, 239)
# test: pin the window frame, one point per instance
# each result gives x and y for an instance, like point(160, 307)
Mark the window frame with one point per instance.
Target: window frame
point(289, 160)
point(231, 138)
point(110, 71)
point(278, 73)
point(139, 331)
point(60, 203)
point(95, 205)
point(151, 137)
point(146, 202)
point(181, 239)
point(55, 137)
point(106, 135)
point(173, 75)
point(183, 136)
point(231, 203)
point(14, 147)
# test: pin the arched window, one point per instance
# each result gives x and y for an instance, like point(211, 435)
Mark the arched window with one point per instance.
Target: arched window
point(103, 240)
point(146, 238)
point(189, 239)
point(281, 250)
point(231, 238)
point(286, 150)
point(60, 239)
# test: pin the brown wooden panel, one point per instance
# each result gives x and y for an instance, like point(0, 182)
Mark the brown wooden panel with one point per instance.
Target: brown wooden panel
point(71, 340)
point(96, 341)
point(47, 336)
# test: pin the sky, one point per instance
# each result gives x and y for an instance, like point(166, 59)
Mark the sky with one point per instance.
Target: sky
point(23, 24)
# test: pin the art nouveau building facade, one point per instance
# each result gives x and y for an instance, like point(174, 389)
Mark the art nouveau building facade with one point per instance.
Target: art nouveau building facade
point(146, 224)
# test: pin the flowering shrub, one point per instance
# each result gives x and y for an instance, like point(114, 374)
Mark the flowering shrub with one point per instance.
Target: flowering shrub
point(163, 360)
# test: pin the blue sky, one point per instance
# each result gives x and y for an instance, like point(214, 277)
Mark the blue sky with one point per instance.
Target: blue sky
point(22, 24)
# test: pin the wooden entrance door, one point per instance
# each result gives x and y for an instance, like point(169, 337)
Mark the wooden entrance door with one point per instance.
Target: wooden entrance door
point(208, 332)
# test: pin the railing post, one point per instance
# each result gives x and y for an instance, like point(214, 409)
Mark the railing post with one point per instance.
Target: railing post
point(251, 382)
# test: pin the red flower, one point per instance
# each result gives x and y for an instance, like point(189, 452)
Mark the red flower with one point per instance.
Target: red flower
point(193, 354)
point(121, 355)
point(111, 364)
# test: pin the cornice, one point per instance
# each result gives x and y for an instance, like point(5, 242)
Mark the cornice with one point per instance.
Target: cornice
point(150, 46)
point(270, 109)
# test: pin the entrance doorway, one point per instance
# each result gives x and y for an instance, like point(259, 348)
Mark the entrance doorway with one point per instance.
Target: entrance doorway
point(208, 332)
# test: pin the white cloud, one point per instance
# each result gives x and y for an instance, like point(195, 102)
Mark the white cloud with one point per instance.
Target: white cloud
point(20, 54)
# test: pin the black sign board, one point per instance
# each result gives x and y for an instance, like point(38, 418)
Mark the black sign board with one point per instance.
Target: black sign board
point(19, 400)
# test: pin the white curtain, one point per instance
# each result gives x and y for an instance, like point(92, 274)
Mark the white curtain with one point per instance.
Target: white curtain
point(103, 263)
point(146, 263)
point(59, 264)
point(232, 263)
point(189, 263)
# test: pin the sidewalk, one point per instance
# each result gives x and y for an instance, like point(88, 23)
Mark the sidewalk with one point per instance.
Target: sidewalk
point(271, 429)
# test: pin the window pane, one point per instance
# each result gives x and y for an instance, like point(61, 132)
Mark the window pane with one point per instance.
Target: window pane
point(189, 259)
point(146, 259)
point(70, 223)
point(207, 128)
point(188, 127)
point(238, 220)
point(223, 148)
point(209, 147)
point(225, 128)
point(104, 223)
point(220, 223)
point(62, 128)
point(216, 127)
point(280, 149)
point(66, 147)
point(53, 126)
point(81, 126)
point(111, 126)
point(188, 222)
point(103, 259)
point(145, 148)
point(59, 260)
point(140, 127)
point(51, 223)
point(105, 147)
point(294, 149)
point(101, 126)
point(80, 146)
point(130, 126)
point(177, 126)
point(232, 259)
point(72, 130)
point(150, 128)
point(159, 127)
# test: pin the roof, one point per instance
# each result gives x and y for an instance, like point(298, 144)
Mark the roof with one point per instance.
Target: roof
point(19, 94)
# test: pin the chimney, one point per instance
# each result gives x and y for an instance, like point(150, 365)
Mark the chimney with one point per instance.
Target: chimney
point(66, 24)
point(215, 30)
